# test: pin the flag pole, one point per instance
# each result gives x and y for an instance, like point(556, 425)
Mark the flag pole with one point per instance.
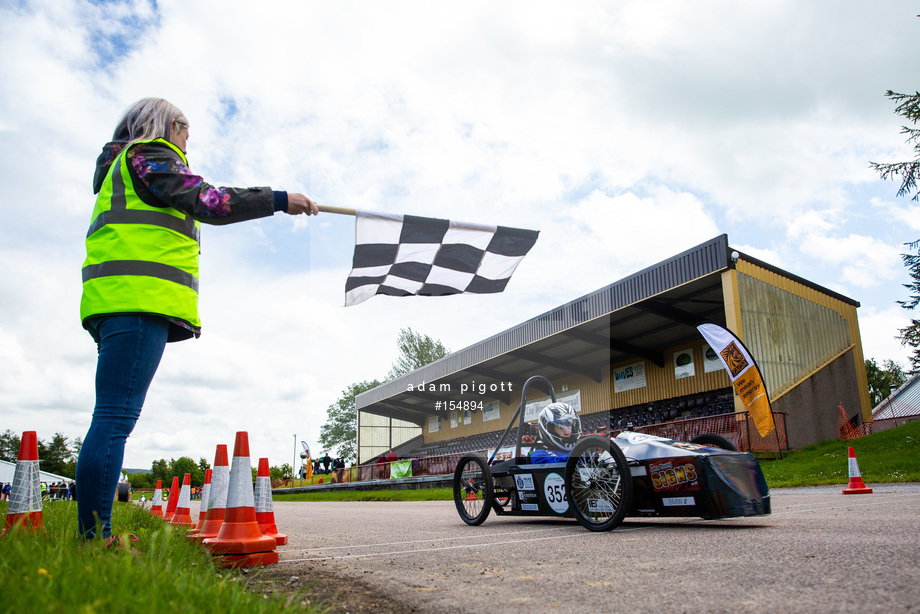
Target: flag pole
point(339, 210)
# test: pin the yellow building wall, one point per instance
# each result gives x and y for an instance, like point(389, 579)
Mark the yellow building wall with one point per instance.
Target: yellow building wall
point(816, 329)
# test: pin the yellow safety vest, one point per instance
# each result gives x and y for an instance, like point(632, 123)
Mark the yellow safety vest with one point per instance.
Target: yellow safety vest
point(139, 258)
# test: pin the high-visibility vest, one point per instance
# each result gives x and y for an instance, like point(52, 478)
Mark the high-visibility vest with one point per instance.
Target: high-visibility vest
point(139, 258)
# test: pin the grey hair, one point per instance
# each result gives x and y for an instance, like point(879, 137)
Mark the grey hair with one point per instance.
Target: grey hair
point(148, 118)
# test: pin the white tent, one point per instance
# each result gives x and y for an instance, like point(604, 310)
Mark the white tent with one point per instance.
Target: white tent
point(8, 471)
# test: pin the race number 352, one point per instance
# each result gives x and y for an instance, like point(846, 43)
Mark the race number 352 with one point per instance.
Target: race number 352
point(554, 492)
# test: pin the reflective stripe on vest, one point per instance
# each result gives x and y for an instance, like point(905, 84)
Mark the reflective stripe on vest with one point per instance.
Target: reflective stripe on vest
point(140, 258)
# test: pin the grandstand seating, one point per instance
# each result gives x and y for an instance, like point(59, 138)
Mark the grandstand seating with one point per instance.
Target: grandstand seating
point(692, 406)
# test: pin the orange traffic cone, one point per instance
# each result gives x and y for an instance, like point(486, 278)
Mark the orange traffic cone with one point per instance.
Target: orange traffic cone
point(173, 501)
point(856, 485)
point(183, 516)
point(265, 512)
point(202, 514)
point(217, 497)
point(156, 507)
point(25, 507)
point(472, 495)
point(240, 542)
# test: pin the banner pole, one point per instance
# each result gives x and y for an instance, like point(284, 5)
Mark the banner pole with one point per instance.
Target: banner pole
point(339, 210)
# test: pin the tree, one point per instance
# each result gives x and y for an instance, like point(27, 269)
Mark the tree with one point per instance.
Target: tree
point(141, 480)
point(160, 471)
point(882, 379)
point(9, 446)
point(56, 456)
point(179, 467)
point(415, 351)
point(910, 334)
point(908, 106)
point(340, 433)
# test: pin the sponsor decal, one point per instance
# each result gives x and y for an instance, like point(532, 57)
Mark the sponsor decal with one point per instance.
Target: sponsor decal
point(524, 481)
point(530, 507)
point(674, 474)
point(600, 505)
point(734, 359)
point(554, 491)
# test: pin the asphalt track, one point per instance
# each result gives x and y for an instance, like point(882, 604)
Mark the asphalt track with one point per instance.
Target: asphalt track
point(819, 551)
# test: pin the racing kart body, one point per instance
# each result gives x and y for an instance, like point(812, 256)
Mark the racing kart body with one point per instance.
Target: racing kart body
point(606, 479)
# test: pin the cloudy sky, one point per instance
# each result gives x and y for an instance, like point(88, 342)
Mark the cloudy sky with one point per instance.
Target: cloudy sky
point(625, 132)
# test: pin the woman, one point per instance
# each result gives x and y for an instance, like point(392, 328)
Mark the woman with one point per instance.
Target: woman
point(140, 277)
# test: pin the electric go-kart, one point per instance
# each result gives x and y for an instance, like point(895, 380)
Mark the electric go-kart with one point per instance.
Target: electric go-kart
point(605, 479)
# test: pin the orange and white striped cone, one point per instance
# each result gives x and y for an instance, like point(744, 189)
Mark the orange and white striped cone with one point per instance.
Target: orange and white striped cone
point(173, 502)
point(25, 506)
point(856, 485)
point(217, 497)
point(203, 512)
point(156, 507)
point(265, 512)
point(183, 515)
point(240, 542)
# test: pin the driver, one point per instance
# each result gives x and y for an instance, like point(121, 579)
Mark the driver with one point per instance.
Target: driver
point(558, 428)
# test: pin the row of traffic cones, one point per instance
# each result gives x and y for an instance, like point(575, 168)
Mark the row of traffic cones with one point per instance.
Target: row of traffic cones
point(235, 522)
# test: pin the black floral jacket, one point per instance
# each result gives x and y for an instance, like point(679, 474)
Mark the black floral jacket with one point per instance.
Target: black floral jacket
point(162, 179)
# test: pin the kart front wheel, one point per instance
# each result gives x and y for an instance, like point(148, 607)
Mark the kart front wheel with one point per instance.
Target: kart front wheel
point(714, 441)
point(598, 483)
point(473, 490)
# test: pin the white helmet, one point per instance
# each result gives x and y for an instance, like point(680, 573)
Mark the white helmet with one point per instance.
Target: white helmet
point(559, 426)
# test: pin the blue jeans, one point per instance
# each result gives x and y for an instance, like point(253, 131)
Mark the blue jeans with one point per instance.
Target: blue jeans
point(130, 348)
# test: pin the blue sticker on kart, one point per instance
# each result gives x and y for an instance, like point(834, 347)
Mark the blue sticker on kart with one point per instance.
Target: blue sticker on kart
point(554, 491)
point(524, 481)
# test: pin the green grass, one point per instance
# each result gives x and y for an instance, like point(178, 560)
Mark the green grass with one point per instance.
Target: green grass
point(53, 571)
point(889, 456)
point(420, 494)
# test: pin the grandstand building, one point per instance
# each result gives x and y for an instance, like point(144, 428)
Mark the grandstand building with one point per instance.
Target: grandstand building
point(630, 353)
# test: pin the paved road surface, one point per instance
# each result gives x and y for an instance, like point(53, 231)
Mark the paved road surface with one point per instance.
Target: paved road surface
point(820, 551)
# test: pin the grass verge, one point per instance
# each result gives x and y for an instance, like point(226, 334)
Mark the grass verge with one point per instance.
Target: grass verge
point(54, 571)
point(889, 456)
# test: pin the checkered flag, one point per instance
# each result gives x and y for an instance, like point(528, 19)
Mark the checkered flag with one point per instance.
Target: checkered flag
point(407, 255)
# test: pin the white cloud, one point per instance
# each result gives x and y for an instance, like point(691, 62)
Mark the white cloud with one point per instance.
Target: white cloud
point(878, 329)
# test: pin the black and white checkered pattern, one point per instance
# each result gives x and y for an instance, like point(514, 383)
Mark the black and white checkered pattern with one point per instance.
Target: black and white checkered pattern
point(407, 255)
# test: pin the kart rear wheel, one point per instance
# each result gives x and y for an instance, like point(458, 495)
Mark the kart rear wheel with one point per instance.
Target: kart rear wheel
point(598, 483)
point(714, 441)
point(474, 493)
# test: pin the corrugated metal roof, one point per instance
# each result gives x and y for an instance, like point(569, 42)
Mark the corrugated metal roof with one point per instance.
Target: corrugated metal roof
point(905, 401)
point(700, 261)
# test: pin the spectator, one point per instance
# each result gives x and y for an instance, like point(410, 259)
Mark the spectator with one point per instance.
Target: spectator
point(327, 460)
point(339, 470)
